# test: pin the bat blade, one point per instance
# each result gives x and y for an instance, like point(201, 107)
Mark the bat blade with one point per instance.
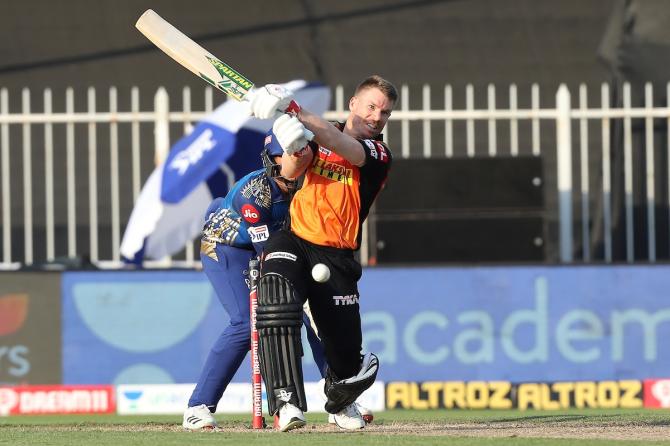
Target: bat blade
point(192, 56)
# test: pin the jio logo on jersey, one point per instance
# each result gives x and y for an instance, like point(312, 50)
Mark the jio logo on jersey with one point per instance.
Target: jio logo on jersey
point(250, 213)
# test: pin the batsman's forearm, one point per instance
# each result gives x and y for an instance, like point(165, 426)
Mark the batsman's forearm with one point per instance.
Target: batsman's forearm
point(293, 166)
point(327, 135)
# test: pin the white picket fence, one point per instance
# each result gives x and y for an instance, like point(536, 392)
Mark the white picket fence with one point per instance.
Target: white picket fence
point(18, 155)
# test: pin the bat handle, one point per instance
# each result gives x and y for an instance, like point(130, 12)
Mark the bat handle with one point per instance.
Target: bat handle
point(293, 109)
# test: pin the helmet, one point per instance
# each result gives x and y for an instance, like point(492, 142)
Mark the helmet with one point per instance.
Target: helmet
point(271, 149)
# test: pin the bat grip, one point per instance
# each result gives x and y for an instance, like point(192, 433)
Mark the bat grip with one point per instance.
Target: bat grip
point(293, 108)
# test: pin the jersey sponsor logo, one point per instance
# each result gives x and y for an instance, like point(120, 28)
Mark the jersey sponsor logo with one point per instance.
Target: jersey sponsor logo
point(281, 255)
point(333, 171)
point(383, 155)
point(258, 233)
point(324, 151)
point(371, 146)
point(349, 299)
point(250, 213)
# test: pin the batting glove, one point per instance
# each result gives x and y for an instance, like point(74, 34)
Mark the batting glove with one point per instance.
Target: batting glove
point(290, 133)
point(269, 100)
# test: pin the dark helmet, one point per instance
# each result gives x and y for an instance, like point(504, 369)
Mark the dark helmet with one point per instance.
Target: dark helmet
point(271, 149)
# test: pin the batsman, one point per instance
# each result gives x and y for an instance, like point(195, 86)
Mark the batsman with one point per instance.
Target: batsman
point(345, 167)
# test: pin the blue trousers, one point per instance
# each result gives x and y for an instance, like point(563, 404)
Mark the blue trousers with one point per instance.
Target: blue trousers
point(228, 279)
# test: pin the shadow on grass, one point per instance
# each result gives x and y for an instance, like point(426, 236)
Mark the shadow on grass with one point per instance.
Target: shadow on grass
point(587, 419)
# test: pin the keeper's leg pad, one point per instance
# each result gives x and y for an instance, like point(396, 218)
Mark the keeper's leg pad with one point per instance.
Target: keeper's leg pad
point(341, 393)
point(278, 320)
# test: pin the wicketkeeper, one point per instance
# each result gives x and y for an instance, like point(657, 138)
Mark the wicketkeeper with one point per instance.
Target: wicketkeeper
point(236, 228)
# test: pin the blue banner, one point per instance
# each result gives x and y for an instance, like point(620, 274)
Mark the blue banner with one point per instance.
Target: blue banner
point(484, 323)
point(518, 323)
point(137, 327)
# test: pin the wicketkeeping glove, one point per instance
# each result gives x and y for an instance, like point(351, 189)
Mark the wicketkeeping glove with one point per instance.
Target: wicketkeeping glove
point(270, 100)
point(290, 133)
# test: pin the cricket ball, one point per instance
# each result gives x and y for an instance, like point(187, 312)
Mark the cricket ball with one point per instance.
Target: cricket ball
point(320, 273)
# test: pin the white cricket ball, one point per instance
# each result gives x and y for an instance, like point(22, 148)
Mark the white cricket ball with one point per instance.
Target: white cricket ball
point(320, 273)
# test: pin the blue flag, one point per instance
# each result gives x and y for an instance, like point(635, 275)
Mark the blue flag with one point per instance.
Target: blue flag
point(201, 166)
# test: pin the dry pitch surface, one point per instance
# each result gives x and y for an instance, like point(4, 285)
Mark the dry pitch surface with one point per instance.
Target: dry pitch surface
point(520, 429)
point(576, 429)
point(631, 425)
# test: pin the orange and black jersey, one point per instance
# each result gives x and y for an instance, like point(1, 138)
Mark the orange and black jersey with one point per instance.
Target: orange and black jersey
point(335, 198)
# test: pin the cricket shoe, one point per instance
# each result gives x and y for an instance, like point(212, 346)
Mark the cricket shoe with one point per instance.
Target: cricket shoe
point(366, 413)
point(198, 418)
point(349, 418)
point(290, 417)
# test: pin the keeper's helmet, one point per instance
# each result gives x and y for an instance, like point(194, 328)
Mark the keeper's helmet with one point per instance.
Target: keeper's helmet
point(272, 149)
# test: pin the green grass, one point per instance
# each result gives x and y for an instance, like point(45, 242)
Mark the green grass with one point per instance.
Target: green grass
point(397, 427)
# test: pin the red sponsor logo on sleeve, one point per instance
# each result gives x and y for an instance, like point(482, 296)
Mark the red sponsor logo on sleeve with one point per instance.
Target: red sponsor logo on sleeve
point(250, 213)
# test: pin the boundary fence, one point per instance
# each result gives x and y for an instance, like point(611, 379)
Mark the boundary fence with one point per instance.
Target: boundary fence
point(582, 159)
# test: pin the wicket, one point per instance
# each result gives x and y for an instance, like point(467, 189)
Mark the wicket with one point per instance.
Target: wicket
point(258, 422)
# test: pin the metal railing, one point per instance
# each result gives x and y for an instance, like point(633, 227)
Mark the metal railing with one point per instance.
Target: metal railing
point(423, 131)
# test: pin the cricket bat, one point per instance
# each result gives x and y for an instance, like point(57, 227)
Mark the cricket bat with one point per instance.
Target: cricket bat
point(198, 60)
point(192, 56)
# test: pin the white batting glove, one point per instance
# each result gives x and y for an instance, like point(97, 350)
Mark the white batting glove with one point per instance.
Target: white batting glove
point(269, 100)
point(290, 133)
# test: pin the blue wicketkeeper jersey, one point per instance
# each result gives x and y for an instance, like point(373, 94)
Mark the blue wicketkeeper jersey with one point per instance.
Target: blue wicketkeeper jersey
point(245, 217)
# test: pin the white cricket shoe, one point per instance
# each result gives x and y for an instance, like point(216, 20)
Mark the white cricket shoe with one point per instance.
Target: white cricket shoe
point(366, 413)
point(290, 417)
point(349, 418)
point(198, 418)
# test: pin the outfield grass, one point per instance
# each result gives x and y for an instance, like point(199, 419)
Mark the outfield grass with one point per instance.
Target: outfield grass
point(399, 427)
